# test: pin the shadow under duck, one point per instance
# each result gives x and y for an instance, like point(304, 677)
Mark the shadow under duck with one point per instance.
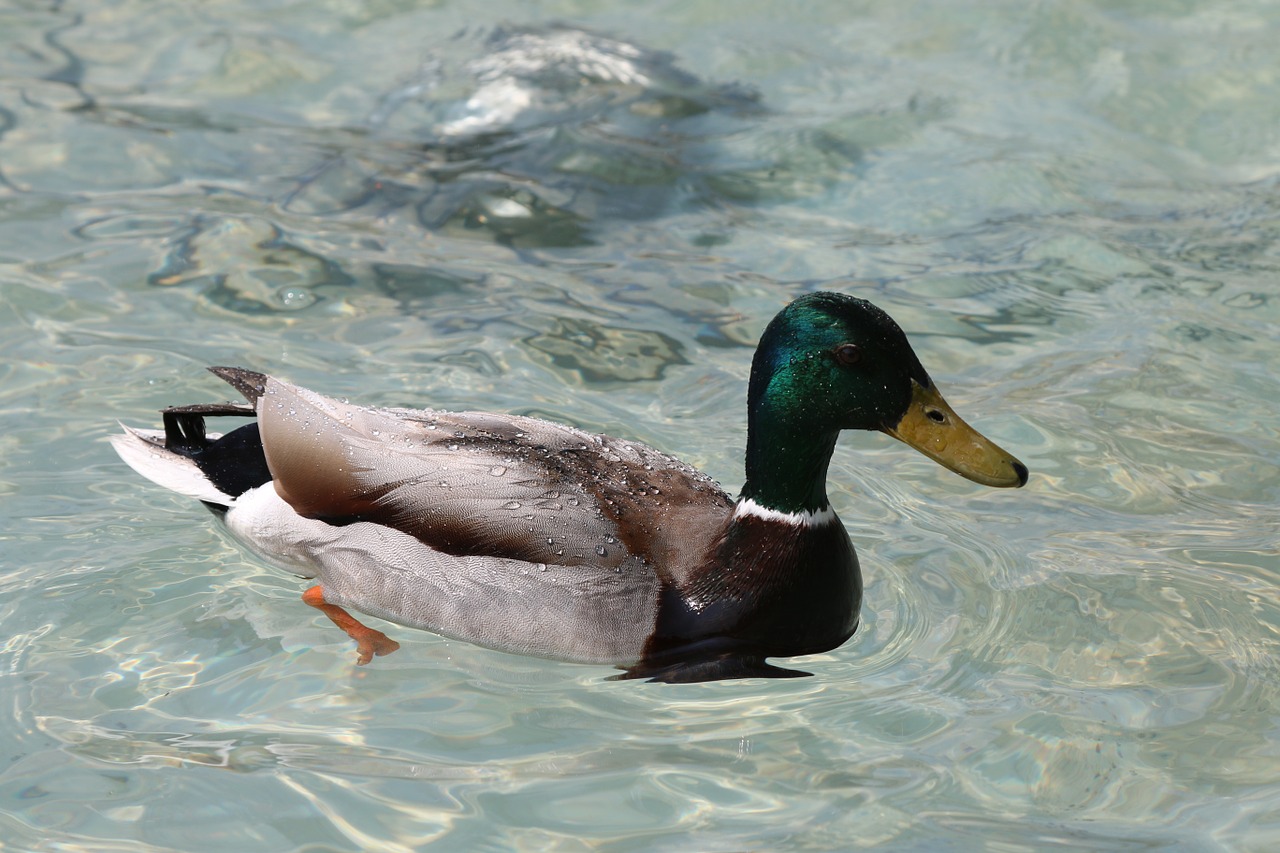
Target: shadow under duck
point(533, 537)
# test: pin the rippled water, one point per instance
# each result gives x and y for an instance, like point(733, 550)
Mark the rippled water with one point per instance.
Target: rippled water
point(1072, 208)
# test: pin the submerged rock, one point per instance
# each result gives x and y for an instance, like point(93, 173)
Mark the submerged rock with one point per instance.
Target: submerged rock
point(533, 136)
point(526, 137)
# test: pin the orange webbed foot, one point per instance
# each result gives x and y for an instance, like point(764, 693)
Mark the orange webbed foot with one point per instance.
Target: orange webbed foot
point(374, 642)
point(369, 641)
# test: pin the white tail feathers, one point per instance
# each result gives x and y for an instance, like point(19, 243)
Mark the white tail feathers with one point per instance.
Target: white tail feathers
point(143, 450)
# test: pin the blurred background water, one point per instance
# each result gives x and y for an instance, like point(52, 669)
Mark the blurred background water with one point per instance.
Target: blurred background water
point(588, 211)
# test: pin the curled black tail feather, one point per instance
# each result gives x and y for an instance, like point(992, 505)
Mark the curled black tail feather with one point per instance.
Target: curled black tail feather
point(235, 462)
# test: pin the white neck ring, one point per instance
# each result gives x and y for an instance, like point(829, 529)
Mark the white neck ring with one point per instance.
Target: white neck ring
point(747, 508)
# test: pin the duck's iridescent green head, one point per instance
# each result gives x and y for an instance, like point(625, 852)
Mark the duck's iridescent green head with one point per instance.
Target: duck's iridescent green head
point(830, 362)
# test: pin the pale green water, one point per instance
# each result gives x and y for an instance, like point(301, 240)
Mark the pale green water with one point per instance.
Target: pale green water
point(1072, 207)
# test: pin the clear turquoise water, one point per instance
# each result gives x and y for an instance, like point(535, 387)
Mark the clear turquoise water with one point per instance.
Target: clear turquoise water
point(1072, 207)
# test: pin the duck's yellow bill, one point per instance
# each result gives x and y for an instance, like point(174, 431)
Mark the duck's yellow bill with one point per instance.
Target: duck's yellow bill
point(933, 428)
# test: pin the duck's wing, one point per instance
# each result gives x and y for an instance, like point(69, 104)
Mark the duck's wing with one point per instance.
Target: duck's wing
point(479, 484)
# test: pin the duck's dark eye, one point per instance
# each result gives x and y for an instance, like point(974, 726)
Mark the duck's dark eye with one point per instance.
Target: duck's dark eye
point(848, 354)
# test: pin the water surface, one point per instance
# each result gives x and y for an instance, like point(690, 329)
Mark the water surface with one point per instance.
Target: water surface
point(1071, 207)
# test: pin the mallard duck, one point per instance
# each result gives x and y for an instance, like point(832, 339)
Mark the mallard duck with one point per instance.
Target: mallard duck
point(543, 539)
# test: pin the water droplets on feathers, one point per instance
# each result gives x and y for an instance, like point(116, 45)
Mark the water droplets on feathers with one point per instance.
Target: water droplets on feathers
point(559, 489)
